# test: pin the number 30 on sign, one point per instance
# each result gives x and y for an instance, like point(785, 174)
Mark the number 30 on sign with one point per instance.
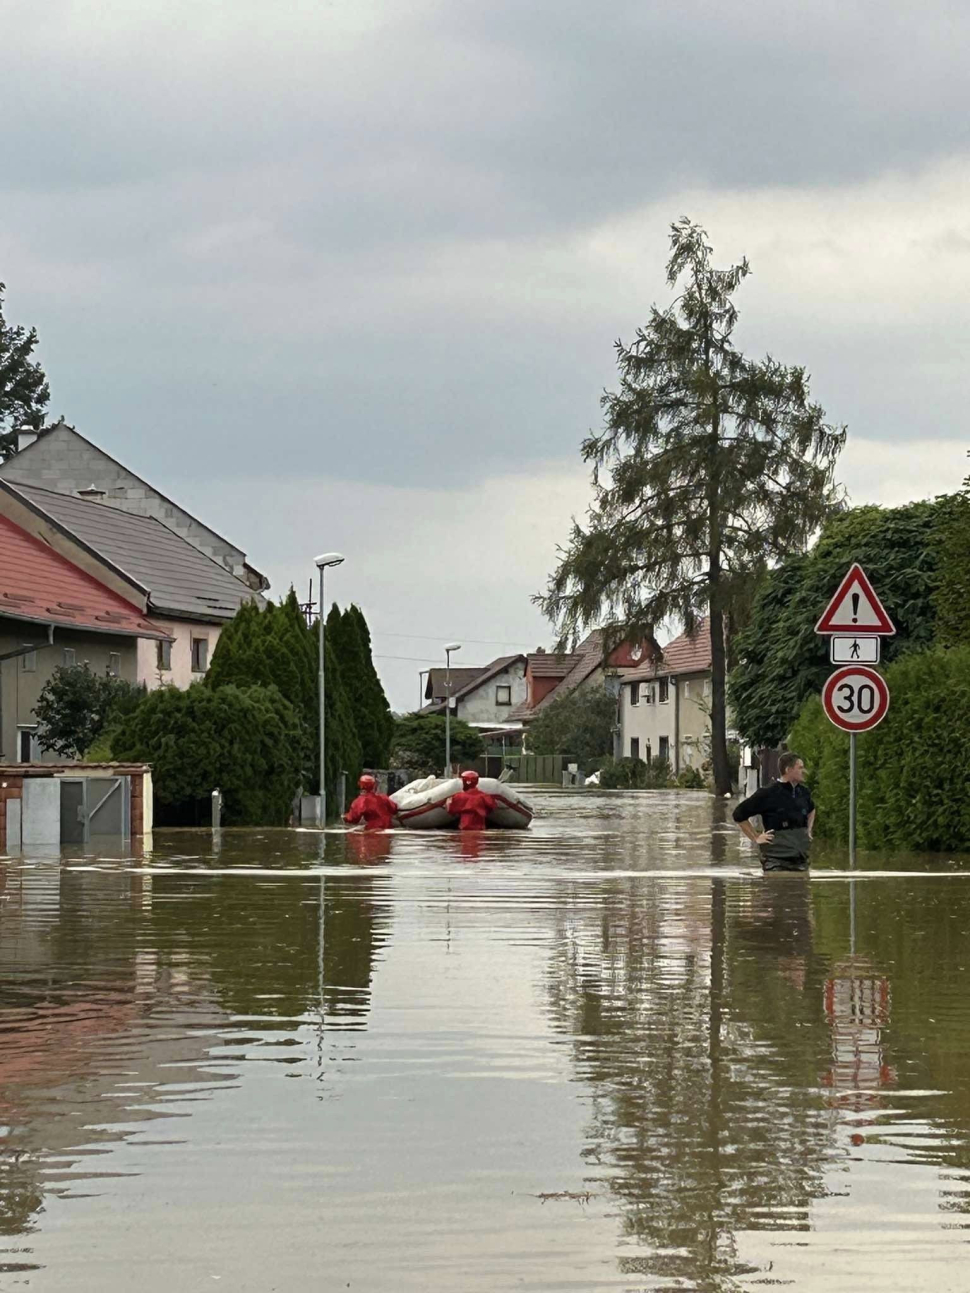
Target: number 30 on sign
point(855, 698)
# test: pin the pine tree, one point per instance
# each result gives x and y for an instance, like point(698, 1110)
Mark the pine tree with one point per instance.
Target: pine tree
point(24, 392)
point(713, 466)
point(378, 698)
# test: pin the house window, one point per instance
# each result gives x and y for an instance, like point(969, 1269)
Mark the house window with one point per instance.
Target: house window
point(664, 691)
point(164, 655)
point(28, 662)
point(200, 655)
point(114, 664)
point(634, 693)
point(503, 695)
point(647, 693)
point(634, 747)
point(28, 749)
point(69, 658)
point(664, 748)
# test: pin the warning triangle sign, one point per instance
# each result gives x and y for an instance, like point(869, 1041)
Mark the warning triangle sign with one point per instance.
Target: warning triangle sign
point(855, 608)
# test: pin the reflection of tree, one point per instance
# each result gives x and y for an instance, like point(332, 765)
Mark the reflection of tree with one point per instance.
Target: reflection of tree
point(682, 999)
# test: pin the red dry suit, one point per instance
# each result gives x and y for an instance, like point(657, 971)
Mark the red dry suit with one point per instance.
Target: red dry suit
point(471, 807)
point(375, 811)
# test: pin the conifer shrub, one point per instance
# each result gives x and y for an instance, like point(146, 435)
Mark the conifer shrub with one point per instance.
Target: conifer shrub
point(912, 768)
point(243, 741)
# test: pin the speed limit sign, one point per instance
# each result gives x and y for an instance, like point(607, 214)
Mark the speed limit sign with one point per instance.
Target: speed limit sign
point(855, 698)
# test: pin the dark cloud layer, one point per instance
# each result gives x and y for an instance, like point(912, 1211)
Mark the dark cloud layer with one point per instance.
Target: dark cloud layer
point(262, 237)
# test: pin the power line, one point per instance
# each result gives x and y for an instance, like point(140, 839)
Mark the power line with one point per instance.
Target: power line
point(423, 659)
point(436, 637)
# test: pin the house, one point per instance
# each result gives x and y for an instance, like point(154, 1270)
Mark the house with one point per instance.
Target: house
point(62, 460)
point(187, 592)
point(57, 612)
point(483, 698)
point(550, 676)
point(665, 706)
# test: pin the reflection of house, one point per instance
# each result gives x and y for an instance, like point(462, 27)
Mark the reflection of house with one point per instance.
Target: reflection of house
point(665, 706)
point(482, 697)
point(57, 612)
point(550, 676)
point(189, 590)
point(62, 460)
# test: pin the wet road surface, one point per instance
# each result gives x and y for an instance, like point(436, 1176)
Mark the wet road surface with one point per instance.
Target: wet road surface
point(605, 1054)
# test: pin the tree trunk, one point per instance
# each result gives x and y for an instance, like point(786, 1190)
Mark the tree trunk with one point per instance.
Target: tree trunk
point(719, 755)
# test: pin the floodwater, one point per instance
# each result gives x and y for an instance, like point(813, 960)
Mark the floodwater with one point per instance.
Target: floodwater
point(606, 1054)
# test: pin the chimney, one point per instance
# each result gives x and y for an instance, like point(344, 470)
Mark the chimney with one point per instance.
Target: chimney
point(25, 437)
point(93, 494)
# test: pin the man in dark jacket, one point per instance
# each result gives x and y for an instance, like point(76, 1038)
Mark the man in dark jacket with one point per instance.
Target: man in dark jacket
point(787, 815)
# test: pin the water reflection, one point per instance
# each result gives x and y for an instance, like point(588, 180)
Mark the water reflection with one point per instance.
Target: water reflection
point(430, 1033)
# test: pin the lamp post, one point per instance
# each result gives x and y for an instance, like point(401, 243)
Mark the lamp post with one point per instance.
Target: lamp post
point(451, 646)
point(322, 562)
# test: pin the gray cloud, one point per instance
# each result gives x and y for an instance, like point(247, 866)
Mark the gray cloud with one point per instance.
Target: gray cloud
point(272, 240)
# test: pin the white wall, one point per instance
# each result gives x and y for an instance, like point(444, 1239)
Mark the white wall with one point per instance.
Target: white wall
point(479, 706)
point(180, 675)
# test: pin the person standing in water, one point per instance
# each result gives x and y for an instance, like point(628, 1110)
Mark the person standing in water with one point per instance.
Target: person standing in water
point(470, 805)
point(376, 811)
point(787, 814)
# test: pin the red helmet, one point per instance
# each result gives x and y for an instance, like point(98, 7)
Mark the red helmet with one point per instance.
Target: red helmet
point(367, 782)
point(469, 778)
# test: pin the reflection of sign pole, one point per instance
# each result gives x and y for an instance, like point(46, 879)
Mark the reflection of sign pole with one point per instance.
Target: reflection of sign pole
point(855, 697)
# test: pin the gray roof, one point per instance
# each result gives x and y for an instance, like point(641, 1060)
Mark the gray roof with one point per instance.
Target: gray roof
point(180, 579)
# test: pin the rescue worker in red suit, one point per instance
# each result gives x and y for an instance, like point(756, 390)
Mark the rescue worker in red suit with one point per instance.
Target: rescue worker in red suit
point(470, 805)
point(377, 812)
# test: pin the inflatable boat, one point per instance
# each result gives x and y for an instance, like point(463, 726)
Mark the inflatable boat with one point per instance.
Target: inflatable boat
point(421, 804)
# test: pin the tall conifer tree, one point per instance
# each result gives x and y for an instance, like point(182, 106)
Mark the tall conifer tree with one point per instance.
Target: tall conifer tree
point(710, 467)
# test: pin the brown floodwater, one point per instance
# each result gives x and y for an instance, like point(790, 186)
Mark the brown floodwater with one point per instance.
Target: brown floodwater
point(604, 1054)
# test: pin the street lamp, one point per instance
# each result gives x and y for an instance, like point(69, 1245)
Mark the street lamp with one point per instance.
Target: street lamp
point(449, 647)
point(322, 562)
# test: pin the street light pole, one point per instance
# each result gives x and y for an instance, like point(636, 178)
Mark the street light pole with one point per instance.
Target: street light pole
point(322, 562)
point(451, 646)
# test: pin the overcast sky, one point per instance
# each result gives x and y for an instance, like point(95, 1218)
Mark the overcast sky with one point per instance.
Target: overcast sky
point(347, 274)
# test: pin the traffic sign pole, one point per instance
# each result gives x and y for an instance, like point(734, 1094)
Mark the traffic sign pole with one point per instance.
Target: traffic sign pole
point(855, 697)
point(852, 800)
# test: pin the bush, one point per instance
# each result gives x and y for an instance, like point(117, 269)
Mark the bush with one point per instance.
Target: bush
point(635, 774)
point(690, 779)
point(419, 743)
point(78, 708)
point(243, 741)
point(579, 724)
point(911, 768)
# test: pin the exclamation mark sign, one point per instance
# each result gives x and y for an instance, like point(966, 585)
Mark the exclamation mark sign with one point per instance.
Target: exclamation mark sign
point(855, 608)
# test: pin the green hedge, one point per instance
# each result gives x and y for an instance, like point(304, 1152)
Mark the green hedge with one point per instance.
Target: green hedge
point(243, 741)
point(912, 768)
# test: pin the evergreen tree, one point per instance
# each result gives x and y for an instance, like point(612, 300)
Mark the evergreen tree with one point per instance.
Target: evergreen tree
point(343, 630)
point(378, 699)
point(952, 599)
point(342, 745)
point(24, 392)
point(711, 466)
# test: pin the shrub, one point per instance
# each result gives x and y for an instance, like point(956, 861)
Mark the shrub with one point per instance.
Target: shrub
point(911, 768)
point(579, 724)
point(243, 741)
point(635, 774)
point(77, 708)
point(690, 779)
point(419, 743)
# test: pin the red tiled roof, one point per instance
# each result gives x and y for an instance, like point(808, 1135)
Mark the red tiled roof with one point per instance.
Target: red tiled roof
point(42, 587)
point(547, 664)
point(685, 654)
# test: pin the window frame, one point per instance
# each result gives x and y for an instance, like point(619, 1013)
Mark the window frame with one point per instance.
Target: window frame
point(114, 664)
point(204, 644)
point(634, 747)
point(163, 656)
point(503, 687)
point(664, 691)
point(634, 693)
